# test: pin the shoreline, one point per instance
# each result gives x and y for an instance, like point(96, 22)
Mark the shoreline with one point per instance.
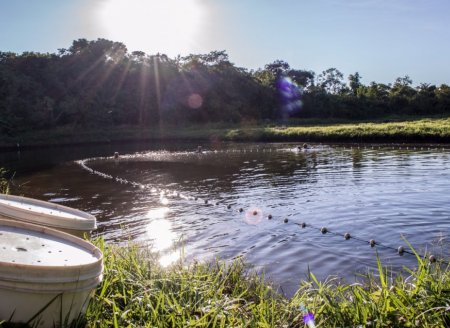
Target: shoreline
point(137, 291)
point(422, 131)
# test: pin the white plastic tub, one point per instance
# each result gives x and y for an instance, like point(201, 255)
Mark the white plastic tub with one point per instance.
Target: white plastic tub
point(55, 216)
point(46, 276)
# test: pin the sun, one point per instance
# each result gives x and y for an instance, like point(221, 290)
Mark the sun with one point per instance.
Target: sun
point(171, 27)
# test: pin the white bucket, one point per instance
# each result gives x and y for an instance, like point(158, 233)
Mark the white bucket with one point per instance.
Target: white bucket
point(52, 215)
point(46, 276)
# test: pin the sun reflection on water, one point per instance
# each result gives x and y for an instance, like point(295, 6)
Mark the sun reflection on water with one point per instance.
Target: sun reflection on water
point(163, 199)
point(159, 231)
point(169, 258)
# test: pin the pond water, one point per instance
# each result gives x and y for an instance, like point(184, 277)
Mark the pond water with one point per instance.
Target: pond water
point(158, 194)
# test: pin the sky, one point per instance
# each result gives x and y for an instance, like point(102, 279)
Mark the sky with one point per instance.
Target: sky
point(380, 39)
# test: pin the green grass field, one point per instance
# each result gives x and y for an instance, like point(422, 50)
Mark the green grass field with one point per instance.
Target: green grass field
point(424, 130)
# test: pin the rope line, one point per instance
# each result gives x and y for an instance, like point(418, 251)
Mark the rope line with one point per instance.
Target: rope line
point(241, 209)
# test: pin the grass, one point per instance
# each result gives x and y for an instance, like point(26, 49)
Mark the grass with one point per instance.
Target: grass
point(137, 292)
point(423, 130)
point(396, 130)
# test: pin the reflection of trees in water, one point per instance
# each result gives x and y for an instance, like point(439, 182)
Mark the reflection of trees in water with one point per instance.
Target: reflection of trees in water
point(194, 174)
point(292, 167)
point(357, 158)
point(214, 173)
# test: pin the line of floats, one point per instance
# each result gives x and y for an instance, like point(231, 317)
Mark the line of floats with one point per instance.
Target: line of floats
point(249, 212)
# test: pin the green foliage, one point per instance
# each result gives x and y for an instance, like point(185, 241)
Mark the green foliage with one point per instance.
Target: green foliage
point(354, 81)
point(99, 85)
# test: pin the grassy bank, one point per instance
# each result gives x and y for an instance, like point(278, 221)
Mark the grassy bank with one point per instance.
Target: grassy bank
point(423, 130)
point(412, 130)
point(138, 292)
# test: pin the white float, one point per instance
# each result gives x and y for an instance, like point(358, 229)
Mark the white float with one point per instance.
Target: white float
point(52, 215)
point(46, 276)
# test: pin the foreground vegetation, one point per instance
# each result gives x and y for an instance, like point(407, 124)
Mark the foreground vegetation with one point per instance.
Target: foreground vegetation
point(137, 292)
point(407, 131)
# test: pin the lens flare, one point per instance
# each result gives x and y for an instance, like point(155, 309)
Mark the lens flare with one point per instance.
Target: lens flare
point(290, 95)
point(195, 101)
point(253, 216)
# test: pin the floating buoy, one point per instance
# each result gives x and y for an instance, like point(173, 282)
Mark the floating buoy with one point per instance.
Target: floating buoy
point(286, 220)
point(303, 225)
point(432, 259)
point(116, 155)
point(269, 217)
point(401, 250)
point(241, 210)
point(255, 212)
point(372, 242)
point(323, 230)
point(347, 236)
point(228, 206)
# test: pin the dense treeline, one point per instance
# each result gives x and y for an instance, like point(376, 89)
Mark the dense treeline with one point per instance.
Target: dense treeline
point(99, 83)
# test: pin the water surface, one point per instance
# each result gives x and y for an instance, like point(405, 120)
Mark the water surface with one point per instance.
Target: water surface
point(158, 193)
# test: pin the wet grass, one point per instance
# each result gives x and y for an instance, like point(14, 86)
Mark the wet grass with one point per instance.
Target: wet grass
point(137, 292)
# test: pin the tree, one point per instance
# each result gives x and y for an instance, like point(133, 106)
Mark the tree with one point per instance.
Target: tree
point(443, 97)
point(98, 83)
point(354, 81)
point(378, 91)
point(331, 81)
point(278, 68)
point(402, 87)
point(425, 100)
point(302, 78)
